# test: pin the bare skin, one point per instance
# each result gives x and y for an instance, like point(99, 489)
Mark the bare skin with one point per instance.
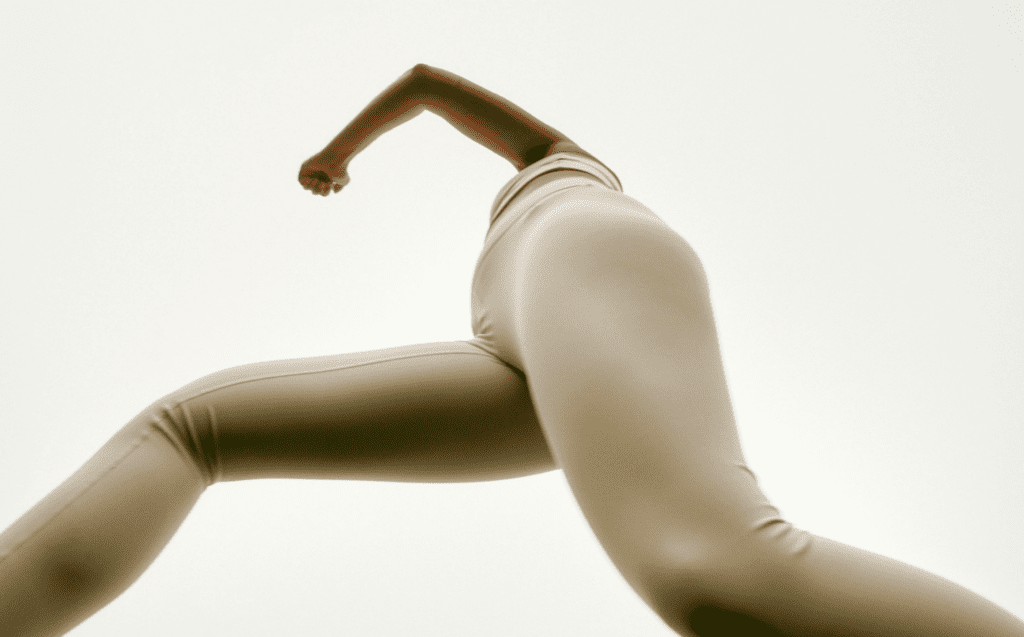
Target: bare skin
point(484, 117)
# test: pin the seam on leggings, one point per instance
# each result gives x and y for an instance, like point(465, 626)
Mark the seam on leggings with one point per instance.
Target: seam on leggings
point(531, 205)
point(189, 425)
point(190, 441)
point(187, 441)
point(217, 473)
point(509, 215)
point(170, 434)
point(328, 369)
point(518, 372)
point(186, 438)
point(92, 484)
point(564, 160)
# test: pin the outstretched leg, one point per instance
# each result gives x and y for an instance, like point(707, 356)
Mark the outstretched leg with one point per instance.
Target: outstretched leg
point(612, 321)
point(442, 412)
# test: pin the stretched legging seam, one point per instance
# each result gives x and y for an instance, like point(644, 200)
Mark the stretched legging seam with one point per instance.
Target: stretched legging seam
point(320, 371)
point(186, 438)
point(213, 471)
point(529, 205)
point(115, 465)
point(189, 454)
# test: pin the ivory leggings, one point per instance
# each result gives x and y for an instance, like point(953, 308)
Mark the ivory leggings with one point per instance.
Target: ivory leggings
point(595, 352)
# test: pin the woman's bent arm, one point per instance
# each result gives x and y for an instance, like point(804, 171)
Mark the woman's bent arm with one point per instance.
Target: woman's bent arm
point(484, 117)
point(489, 119)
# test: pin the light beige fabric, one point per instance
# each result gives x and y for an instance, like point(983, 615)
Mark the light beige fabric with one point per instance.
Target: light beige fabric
point(595, 350)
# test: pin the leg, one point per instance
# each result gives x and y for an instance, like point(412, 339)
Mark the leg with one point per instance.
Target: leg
point(442, 412)
point(616, 335)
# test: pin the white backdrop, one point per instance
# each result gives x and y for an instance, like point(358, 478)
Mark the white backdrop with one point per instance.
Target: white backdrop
point(852, 175)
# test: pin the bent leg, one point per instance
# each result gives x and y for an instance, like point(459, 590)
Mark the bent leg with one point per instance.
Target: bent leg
point(441, 412)
point(618, 343)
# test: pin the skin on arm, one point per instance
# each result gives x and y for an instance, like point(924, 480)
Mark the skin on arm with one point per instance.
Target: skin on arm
point(484, 117)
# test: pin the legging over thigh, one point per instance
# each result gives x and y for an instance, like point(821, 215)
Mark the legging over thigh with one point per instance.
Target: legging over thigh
point(439, 412)
point(607, 312)
point(595, 351)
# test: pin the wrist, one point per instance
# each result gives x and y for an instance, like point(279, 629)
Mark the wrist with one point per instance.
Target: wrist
point(334, 158)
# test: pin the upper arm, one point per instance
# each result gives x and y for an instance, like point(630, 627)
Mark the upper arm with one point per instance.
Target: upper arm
point(487, 117)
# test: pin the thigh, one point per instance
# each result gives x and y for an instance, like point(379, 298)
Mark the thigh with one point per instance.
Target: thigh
point(437, 412)
point(618, 342)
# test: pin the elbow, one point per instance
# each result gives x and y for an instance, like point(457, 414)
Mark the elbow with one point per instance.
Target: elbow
point(420, 85)
point(421, 69)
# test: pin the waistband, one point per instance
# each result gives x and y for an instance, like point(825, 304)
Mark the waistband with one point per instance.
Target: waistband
point(558, 161)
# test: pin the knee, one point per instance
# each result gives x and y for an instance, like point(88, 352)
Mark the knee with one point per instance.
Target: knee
point(706, 585)
point(189, 426)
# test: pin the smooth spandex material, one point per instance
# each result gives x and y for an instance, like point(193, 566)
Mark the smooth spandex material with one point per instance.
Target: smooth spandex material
point(595, 351)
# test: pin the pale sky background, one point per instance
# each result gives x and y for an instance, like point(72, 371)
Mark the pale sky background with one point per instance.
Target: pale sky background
point(851, 174)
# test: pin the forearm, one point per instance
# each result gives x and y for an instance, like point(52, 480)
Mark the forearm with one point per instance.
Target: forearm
point(394, 106)
point(484, 117)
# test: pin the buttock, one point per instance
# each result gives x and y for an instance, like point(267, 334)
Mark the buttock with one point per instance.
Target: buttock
point(572, 205)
